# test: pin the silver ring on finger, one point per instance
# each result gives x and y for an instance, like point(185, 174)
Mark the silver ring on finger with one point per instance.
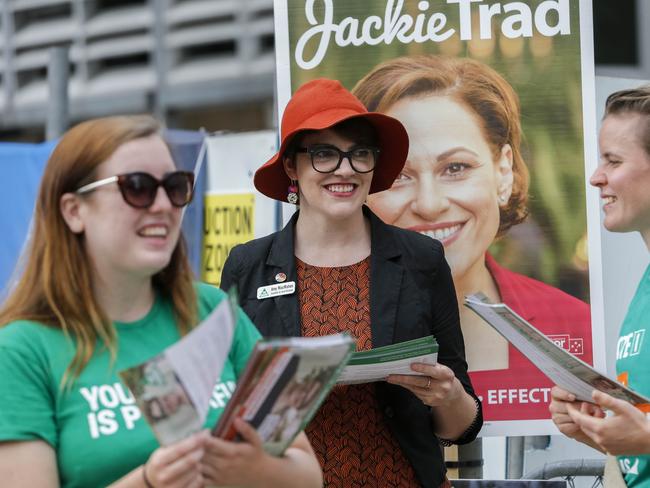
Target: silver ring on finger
point(428, 383)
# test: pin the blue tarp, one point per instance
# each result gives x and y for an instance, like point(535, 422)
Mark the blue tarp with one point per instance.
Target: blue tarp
point(185, 147)
point(22, 166)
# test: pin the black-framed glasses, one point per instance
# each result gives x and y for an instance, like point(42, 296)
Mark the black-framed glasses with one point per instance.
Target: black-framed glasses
point(139, 189)
point(326, 158)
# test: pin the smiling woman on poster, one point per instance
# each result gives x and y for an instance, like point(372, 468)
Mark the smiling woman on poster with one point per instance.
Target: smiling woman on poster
point(465, 183)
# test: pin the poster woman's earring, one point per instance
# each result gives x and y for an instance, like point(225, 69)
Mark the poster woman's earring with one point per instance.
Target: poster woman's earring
point(502, 199)
point(292, 192)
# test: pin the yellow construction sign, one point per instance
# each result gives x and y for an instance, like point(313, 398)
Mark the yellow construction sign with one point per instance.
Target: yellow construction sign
point(229, 219)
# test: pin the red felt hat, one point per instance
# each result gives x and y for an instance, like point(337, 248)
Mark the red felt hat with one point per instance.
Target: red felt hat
point(320, 104)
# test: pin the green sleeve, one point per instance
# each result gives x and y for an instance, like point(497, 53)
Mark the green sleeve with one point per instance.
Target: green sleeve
point(246, 334)
point(27, 405)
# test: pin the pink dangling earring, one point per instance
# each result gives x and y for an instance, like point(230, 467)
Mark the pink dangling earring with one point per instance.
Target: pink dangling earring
point(292, 192)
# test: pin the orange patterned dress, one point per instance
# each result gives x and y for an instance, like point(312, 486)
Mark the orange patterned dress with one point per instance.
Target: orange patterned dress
point(351, 439)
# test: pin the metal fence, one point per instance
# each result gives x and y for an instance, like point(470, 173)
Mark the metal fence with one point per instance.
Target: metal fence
point(570, 470)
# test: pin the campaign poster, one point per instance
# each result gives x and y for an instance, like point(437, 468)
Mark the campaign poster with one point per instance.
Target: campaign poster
point(234, 211)
point(497, 99)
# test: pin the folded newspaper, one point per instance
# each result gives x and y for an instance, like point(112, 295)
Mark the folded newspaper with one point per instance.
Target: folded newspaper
point(562, 367)
point(377, 364)
point(282, 386)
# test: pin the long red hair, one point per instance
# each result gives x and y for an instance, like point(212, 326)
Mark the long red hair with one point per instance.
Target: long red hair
point(55, 287)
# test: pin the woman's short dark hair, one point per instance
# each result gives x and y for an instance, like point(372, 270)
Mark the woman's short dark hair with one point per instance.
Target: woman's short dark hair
point(635, 101)
point(356, 129)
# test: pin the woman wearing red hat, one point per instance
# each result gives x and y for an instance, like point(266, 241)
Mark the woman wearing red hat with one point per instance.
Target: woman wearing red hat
point(354, 273)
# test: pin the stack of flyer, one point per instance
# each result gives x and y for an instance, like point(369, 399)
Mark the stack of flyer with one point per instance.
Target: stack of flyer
point(562, 367)
point(282, 386)
point(377, 364)
point(284, 383)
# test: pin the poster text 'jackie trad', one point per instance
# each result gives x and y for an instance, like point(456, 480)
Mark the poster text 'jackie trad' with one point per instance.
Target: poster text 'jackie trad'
point(515, 19)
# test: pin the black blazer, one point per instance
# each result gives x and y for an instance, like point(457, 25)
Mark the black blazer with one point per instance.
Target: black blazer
point(411, 295)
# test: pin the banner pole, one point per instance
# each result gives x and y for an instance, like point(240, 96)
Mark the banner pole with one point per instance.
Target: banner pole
point(470, 460)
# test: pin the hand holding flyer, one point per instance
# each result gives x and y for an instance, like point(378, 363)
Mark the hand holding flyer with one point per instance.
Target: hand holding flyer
point(284, 382)
point(562, 367)
point(173, 389)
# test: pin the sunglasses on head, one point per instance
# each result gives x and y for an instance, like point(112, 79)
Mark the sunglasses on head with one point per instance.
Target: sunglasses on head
point(139, 189)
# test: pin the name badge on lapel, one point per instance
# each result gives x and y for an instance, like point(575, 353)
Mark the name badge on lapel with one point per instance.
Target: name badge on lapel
point(276, 290)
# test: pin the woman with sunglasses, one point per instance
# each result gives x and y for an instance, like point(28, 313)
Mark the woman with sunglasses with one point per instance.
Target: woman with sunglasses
point(348, 271)
point(107, 285)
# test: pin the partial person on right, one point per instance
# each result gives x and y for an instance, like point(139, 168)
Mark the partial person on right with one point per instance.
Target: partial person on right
point(623, 178)
point(465, 183)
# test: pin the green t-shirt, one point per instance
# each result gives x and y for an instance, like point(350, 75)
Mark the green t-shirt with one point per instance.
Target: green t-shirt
point(633, 368)
point(95, 427)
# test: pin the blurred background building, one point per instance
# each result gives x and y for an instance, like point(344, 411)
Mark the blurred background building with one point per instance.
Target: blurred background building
point(194, 63)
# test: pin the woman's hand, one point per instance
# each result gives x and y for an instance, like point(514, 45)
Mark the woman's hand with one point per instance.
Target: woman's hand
point(235, 463)
point(246, 463)
point(559, 408)
point(437, 387)
point(627, 432)
point(177, 465)
point(452, 407)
